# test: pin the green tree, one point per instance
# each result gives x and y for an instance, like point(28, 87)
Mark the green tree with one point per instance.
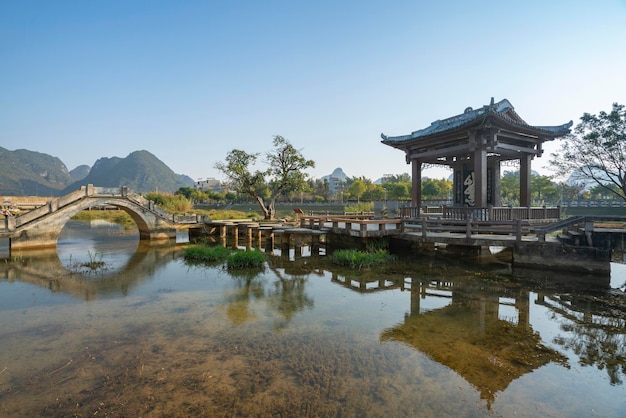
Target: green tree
point(542, 188)
point(596, 151)
point(509, 188)
point(357, 188)
point(436, 189)
point(568, 191)
point(285, 172)
point(398, 191)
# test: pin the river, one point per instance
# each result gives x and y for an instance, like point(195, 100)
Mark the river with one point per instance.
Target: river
point(105, 325)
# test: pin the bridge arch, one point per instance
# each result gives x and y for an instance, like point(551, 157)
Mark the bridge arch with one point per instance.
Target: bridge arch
point(41, 227)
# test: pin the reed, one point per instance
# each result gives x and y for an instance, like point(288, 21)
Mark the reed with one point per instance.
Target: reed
point(206, 254)
point(360, 259)
point(245, 259)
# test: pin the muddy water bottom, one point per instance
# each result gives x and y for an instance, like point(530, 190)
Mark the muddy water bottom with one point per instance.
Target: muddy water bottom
point(153, 336)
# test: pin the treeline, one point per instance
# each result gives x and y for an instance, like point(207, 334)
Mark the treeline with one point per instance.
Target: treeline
point(398, 187)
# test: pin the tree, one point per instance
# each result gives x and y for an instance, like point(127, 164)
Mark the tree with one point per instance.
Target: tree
point(357, 188)
point(542, 188)
point(436, 189)
point(596, 151)
point(509, 188)
point(285, 173)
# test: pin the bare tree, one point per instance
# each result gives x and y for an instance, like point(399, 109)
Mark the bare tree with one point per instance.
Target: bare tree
point(596, 151)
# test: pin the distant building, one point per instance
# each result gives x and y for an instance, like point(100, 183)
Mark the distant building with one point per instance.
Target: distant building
point(208, 184)
point(336, 180)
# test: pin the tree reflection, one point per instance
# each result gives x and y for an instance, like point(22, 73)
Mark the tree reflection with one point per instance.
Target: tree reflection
point(288, 297)
point(597, 339)
point(248, 287)
point(285, 296)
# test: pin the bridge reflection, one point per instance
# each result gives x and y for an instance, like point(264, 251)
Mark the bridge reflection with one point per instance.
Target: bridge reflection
point(44, 268)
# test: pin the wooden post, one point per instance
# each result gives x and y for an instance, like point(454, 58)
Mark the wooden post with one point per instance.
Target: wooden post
point(480, 176)
point(416, 190)
point(589, 232)
point(524, 180)
point(518, 230)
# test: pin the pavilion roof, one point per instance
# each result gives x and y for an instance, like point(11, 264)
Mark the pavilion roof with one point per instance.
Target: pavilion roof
point(501, 114)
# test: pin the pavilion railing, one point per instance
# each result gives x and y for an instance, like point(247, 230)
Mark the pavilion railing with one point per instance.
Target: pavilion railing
point(485, 214)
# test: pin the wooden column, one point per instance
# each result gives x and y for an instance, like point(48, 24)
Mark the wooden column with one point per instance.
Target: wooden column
point(480, 177)
point(524, 180)
point(416, 176)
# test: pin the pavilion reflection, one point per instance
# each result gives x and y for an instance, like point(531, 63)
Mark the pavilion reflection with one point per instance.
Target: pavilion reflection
point(484, 336)
point(481, 332)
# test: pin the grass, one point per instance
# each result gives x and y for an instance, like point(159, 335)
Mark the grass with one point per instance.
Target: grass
point(234, 259)
point(116, 216)
point(360, 259)
point(94, 265)
point(206, 254)
point(245, 259)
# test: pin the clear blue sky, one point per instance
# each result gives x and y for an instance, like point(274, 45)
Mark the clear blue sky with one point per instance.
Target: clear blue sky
point(191, 80)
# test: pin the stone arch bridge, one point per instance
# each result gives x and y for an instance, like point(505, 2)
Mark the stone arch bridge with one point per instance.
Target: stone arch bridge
point(41, 227)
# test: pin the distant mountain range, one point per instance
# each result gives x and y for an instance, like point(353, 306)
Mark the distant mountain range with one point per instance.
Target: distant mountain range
point(30, 173)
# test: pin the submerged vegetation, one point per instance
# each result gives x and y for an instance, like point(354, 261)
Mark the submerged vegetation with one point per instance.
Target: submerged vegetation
point(360, 259)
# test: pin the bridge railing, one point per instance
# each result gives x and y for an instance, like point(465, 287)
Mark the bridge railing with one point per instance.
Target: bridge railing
point(11, 223)
point(50, 207)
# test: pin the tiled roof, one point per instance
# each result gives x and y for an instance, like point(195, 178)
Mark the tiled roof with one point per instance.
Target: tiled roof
point(503, 109)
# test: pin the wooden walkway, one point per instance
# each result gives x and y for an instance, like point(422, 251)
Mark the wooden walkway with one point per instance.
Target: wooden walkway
point(461, 232)
point(257, 231)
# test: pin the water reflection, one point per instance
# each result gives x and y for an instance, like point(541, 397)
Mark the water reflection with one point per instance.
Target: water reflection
point(471, 336)
point(126, 261)
point(159, 337)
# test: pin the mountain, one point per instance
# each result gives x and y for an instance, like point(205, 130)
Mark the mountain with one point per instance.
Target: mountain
point(30, 173)
point(140, 171)
point(337, 174)
point(80, 172)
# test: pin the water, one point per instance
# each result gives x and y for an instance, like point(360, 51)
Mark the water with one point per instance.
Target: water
point(145, 334)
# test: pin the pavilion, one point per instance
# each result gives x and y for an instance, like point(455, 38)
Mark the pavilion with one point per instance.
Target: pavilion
point(474, 144)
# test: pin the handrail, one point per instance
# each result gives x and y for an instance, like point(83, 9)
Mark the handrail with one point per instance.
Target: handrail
point(490, 213)
point(12, 223)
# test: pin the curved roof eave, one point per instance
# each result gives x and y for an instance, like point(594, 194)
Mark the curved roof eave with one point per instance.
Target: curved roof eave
point(503, 110)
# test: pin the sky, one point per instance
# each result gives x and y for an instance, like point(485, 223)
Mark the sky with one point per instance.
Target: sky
point(189, 81)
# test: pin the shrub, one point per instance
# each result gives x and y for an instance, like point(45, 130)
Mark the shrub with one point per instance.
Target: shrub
point(200, 253)
point(171, 203)
point(243, 259)
point(360, 259)
point(359, 207)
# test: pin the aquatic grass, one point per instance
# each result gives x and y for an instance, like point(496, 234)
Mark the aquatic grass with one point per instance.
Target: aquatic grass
point(360, 259)
point(245, 259)
point(94, 265)
point(206, 254)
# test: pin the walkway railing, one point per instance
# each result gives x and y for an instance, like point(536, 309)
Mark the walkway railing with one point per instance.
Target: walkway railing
point(485, 214)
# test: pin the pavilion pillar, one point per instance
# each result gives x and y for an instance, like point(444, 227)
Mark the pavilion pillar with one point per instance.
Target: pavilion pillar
point(524, 180)
point(416, 190)
point(480, 178)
